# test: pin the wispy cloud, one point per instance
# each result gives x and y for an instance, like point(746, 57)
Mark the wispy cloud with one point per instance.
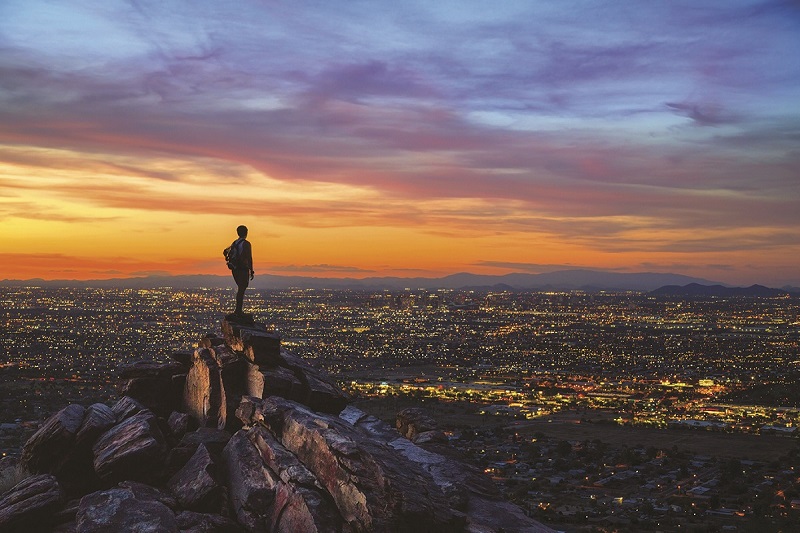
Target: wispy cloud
point(535, 268)
point(319, 268)
point(703, 114)
point(57, 265)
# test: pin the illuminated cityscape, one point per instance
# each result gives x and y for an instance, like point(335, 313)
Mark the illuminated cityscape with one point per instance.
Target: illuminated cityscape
point(594, 411)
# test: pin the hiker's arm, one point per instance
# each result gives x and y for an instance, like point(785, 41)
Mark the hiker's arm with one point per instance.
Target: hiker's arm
point(248, 258)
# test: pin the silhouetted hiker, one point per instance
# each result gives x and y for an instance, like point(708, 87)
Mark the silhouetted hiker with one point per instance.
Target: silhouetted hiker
point(240, 261)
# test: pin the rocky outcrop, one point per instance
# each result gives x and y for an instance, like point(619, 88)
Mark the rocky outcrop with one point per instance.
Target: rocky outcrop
point(301, 503)
point(179, 424)
point(374, 489)
point(418, 426)
point(204, 397)
point(465, 487)
point(152, 384)
point(270, 490)
point(261, 347)
point(250, 495)
point(281, 381)
point(125, 408)
point(213, 439)
point(125, 508)
point(244, 436)
point(30, 504)
point(248, 360)
point(43, 453)
point(195, 486)
point(133, 449)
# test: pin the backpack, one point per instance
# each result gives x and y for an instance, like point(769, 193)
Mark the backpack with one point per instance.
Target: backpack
point(232, 255)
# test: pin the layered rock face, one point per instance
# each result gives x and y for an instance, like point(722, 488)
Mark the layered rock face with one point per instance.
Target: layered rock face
point(241, 435)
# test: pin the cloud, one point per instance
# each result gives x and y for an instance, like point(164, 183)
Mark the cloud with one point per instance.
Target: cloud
point(745, 241)
point(41, 211)
point(703, 114)
point(319, 268)
point(724, 267)
point(525, 267)
point(355, 82)
point(57, 265)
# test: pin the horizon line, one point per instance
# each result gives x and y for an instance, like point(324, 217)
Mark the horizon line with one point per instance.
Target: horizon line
point(683, 279)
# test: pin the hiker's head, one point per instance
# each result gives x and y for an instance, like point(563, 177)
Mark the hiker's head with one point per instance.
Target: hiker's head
point(241, 231)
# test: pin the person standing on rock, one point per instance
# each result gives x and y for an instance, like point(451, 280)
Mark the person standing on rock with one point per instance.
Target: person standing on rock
point(240, 261)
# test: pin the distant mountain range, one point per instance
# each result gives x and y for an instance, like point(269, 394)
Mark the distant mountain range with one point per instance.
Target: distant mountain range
point(588, 280)
point(697, 289)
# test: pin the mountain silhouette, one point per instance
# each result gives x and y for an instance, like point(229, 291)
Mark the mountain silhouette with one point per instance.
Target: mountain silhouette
point(590, 280)
point(698, 290)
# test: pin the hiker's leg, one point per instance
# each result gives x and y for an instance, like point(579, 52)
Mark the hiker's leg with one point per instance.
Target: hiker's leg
point(242, 278)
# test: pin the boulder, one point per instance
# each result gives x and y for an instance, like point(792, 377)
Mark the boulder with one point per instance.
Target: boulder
point(195, 486)
point(250, 410)
point(413, 421)
point(374, 487)
point(178, 385)
point(123, 510)
point(270, 490)
point(215, 382)
point(133, 449)
point(244, 319)
point(77, 473)
point(126, 407)
point(260, 347)
point(211, 340)
point(30, 504)
point(213, 439)
point(322, 394)
point(150, 369)
point(151, 384)
point(300, 504)
point(179, 424)
point(274, 381)
point(184, 357)
point(97, 420)
point(233, 374)
point(142, 491)
point(435, 436)
point(280, 381)
point(154, 393)
point(320, 391)
point(254, 381)
point(251, 493)
point(47, 450)
point(204, 396)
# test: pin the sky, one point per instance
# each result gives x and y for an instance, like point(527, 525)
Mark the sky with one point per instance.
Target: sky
point(413, 138)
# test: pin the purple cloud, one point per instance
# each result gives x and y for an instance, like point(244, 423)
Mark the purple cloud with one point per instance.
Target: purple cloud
point(703, 115)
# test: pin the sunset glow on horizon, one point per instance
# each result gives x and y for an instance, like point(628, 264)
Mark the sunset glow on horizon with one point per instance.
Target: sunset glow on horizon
point(361, 139)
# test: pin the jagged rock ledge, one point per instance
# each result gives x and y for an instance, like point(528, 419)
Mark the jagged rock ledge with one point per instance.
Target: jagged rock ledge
point(240, 435)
